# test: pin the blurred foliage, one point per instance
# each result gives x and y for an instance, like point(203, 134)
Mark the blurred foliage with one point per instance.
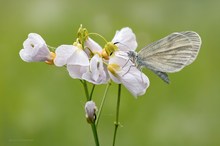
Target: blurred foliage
point(41, 105)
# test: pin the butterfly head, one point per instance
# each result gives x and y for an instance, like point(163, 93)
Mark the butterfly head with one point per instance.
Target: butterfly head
point(132, 56)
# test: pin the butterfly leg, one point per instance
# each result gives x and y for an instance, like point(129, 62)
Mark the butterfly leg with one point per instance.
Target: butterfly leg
point(128, 69)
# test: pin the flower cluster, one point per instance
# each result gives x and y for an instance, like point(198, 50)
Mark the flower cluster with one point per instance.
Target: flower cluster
point(86, 60)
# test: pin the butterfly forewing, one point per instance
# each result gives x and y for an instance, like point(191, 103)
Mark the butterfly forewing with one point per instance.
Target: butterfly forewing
point(172, 53)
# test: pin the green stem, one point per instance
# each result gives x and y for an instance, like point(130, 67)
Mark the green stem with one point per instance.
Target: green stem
point(94, 130)
point(86, 89)
point(102, 103)
point(95, 134)
point(51, 48)
point(117, 114)
point(93, 87)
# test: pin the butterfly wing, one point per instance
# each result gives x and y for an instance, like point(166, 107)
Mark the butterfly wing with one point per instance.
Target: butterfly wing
point(172, 53)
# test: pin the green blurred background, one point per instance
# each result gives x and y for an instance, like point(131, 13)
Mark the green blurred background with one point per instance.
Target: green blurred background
point(40, 105)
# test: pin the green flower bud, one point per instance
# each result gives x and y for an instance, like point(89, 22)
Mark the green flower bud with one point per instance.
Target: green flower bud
point(82, 35)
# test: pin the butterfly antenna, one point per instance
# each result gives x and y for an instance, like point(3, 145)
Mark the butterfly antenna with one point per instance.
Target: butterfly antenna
point(122, 45)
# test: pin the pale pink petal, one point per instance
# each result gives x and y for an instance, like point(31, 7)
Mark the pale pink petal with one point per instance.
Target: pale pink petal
point(63, 53)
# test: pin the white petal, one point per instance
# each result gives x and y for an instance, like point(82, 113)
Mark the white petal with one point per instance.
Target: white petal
point(120, 58)
point(88, 76)
point(79, 57)
point(97, 73)
point(25, 55)
point(33, 39)
point(125, 39)
point(35, 49)
point(63, 53)
point(121, 62)
point(36, 37)
point(114, 79)
point(92, 46)
point(76, 71)
point(132, 78)
point(135, 81)
point(94, 64)
point(43, 54)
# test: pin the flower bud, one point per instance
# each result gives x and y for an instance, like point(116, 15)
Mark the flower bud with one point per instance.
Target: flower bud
point(82, 34)
point(90, 109)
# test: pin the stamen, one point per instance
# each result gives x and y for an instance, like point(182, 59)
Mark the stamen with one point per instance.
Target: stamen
point(51, 60)
point(99, 36)
point(112, 68)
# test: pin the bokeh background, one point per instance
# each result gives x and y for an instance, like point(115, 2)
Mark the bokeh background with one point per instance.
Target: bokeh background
point(40, 105)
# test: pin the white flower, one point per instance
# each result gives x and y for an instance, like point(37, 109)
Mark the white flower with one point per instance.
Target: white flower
point(91, 47)
point(74, 57)
point(122, 70)
point(90, 109)
point(35, 49)
point(125, 39)
point(97, 73)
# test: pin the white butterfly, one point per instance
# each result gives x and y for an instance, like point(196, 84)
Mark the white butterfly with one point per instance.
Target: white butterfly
point(169, 54)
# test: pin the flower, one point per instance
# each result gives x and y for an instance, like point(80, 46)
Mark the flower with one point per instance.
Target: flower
point(90, 109)
point(97, 73)
point(74, 57)
point(122, 70)
point(35, 50)
point(125, 39)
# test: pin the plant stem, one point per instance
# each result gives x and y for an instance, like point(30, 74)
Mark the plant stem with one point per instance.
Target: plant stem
point(102, 103)
point(93, 87)
point(86, 90)
point(117, 114)
point(93, 126)
point(51, 48)
point(95, 134)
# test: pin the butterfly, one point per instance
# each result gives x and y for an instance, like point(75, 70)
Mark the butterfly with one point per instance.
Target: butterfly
point(169, 54)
